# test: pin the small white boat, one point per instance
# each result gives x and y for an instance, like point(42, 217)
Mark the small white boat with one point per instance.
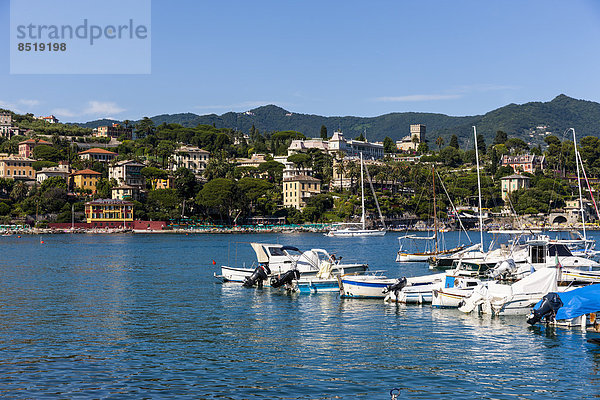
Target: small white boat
point(275, 260)
point(364, 286)
point(455, 290)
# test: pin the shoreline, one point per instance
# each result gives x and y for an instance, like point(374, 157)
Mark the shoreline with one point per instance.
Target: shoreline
point(283, 229)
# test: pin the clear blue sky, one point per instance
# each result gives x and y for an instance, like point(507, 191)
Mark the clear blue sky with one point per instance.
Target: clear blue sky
point(334, 58)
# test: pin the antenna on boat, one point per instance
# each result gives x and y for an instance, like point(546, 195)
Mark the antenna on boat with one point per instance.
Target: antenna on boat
point(362, 191)
point(479, 190)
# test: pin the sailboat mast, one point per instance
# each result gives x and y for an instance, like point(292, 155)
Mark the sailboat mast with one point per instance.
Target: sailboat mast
point(577, 160)
point(362, 191)
point(435, 227)
point(479, 190)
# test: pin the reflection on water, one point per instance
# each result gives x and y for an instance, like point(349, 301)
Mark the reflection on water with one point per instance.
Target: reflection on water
point(141, 316)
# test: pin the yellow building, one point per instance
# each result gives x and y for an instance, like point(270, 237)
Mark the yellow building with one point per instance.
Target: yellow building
point(299, 188)
point(109, 213)
point(166, 183)
point(513, 183)
point(85, 179)
point(16, 167)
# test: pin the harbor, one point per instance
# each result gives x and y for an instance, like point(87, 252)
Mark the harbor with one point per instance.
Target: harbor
point(142, 315)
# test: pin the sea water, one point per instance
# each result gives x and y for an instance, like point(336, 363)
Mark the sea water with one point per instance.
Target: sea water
point(141, 316)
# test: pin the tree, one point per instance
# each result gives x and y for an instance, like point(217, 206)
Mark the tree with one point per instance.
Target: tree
point(516, 145)
point(219, 194)
point(423, 148)
point(300, 160)
point(481, 144)
point(501, 137)
point(162, 204)
point(388, 145)
point(324, 132)
point(46, 153)
point(144, 128)
point(185, 183)
point(104, 187)
point(153, 174)
point(440, 142)
point(454, 142)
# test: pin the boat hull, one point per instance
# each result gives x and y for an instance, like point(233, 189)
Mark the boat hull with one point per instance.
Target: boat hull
point(239, 275)
point(367, 287)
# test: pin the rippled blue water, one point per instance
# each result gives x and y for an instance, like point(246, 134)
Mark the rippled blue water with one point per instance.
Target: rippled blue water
point(134, 316)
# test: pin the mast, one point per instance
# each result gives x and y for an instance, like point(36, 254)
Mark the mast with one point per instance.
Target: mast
point(435, 227)
point(362, 191)
point(479, 190)
point(577, 160)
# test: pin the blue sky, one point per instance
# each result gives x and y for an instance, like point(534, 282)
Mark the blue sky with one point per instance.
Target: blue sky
point(334, 58)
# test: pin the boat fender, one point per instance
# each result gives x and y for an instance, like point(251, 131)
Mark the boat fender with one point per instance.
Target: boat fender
point(550, 305)
point(258, 276)
point(396, 286)
point(285, 278)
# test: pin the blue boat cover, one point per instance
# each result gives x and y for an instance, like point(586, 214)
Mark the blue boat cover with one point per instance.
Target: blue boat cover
point(578, 302)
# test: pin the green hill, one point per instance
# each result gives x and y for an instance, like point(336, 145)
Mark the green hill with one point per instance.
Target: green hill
point(518, 120)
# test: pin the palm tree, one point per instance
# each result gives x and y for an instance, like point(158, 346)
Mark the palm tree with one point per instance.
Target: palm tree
point(440, 142)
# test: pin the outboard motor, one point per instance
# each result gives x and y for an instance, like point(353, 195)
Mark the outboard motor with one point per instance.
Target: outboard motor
point(550, 305)
point(258, 276)
point(285, 278)
point(396, 286)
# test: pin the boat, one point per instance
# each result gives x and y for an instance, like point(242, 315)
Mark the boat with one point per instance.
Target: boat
point(512, 299)
point(432, 245)
point(274, 260)
point(355, 229)
point(455, 290)
point(574, 308)
point(402, 290)
point(364, 286)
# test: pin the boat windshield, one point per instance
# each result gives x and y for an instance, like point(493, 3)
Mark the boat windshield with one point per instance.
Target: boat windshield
point(558, 249)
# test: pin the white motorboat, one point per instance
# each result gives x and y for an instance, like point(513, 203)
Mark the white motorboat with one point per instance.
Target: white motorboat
point(364, 286)
point(355, 229)
point(515, 299)
point(455, 290)
point(276, 259)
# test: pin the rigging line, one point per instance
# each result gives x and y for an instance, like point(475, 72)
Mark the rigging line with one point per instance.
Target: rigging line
point(453, 208)
point(417, 206)
point(589, 187)
point(374, 196)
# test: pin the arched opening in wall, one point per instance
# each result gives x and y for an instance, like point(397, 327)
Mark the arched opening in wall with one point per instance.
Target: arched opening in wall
point(559, 220)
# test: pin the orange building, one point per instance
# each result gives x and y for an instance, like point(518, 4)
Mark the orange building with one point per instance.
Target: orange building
point(85, 179)
point(16, 167)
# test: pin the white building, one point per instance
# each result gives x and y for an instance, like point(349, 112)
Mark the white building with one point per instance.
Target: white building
point(62, 171)
point(290, 170)
point(412, 141)
point(128, 173)
point(192, 158)
point(337, 143)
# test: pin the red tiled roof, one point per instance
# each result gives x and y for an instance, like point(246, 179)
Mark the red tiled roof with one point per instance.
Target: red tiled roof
point(33, 141)
point(97, 150)
point(86, 172)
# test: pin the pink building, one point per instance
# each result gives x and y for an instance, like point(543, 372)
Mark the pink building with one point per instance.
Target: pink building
point(26, 147)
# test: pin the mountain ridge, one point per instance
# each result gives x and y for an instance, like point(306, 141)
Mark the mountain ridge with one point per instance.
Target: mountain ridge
point(518, 120)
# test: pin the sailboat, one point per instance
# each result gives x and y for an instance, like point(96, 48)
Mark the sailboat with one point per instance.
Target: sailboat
point(354, 229)
point(432, 248)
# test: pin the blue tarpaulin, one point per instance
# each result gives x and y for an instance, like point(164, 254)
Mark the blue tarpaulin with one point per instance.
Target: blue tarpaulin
point(578, 302)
